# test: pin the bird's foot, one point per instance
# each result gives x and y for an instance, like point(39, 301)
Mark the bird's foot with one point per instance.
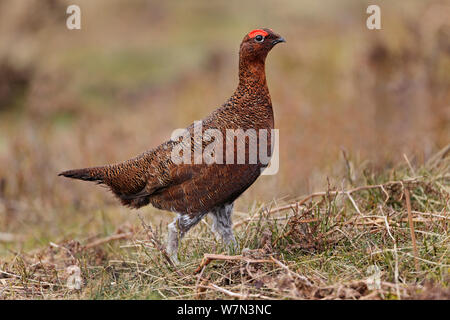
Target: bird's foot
point(172, 242)
point(174, 259)
point(232, 245)
point(172, 252)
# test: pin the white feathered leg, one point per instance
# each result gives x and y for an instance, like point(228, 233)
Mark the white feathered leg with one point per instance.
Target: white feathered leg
point(177, 229)
point(222, 225)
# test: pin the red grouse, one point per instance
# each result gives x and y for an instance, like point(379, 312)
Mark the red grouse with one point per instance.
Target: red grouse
point(194, 189)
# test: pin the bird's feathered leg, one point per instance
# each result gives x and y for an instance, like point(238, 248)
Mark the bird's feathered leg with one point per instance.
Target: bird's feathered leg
point(222, 225)
point(172, 241)
point(177, 229)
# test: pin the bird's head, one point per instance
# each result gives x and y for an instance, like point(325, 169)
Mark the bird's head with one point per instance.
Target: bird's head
point(257, 43)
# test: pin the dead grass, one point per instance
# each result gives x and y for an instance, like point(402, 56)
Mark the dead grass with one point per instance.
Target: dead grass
point(327, 245)
point(361, 115)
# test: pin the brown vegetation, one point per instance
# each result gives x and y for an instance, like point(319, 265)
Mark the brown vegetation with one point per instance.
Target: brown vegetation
point(361, 115)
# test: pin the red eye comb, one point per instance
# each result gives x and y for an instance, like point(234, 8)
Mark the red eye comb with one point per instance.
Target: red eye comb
point(256, 32)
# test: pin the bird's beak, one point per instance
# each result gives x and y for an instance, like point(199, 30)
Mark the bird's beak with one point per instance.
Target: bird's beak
point(280, 39)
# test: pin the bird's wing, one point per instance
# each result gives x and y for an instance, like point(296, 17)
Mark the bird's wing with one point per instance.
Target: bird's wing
point(208, 186)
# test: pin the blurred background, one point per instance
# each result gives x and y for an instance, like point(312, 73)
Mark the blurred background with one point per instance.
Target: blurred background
point(345, 98)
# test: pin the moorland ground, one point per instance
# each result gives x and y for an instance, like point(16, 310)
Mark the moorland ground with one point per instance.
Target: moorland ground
point(358, 110)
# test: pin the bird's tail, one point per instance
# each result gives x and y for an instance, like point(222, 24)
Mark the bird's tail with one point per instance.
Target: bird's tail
point(126, 180)
point(96, 174)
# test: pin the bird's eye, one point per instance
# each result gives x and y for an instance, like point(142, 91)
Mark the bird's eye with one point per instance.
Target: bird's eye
point(259, 38)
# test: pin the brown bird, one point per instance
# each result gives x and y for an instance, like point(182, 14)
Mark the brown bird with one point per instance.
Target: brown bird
point(193, 190)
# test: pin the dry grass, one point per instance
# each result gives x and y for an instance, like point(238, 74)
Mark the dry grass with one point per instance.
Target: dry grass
point(324, 246)
point(361, 115)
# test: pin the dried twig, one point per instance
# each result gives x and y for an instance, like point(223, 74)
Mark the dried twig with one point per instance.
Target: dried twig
point(342, 192)
point(235, 294)
point(108, 239)
point(409, 164)
point(208, 258)
point(54, 245)
point(36, 282)
point(353, 202)
point(292, 273)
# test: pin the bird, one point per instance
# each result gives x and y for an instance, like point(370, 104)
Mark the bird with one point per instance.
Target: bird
point(194, 190)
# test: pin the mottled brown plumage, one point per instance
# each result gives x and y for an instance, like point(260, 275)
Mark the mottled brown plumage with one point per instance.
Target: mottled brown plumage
point(193, 190)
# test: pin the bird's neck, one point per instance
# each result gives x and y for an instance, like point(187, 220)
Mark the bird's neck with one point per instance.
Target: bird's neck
point(252, 74)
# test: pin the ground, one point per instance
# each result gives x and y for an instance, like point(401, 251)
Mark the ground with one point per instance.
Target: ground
point(363, 117)
point(386, 239)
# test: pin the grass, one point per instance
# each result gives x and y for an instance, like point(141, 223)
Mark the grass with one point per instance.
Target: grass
point(328, 245)
point(357, 110)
